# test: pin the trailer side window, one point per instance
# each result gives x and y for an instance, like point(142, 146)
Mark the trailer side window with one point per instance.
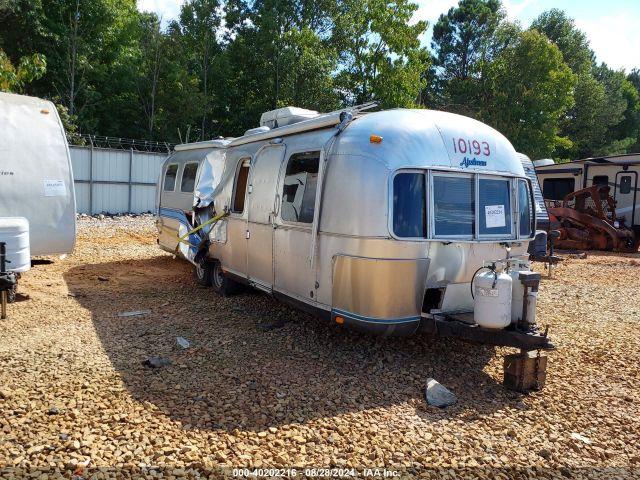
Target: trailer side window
point(188, 182)
point(625, 184)
point(299, 190)
point(240, 186)
point(454, 206)
point(409, 205)
point(557, 188)
point(495, 206)
point(601, 180)
point(170, 177)
point(526, 209)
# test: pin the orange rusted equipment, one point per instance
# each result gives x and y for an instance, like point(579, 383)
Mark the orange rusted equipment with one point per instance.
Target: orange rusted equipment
point(586, 220)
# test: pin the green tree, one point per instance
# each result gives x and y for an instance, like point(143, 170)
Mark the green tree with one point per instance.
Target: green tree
point(14, 79)
point(571, 41)
point(532, 89)
point(380, 54)
point(466, 40)
point(604, 118)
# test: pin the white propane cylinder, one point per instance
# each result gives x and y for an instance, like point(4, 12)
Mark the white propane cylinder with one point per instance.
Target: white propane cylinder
point(14, 232)
point(492, 302)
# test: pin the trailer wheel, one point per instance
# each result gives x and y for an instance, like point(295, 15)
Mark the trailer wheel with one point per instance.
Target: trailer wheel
point(203, 274)
point(222, 283)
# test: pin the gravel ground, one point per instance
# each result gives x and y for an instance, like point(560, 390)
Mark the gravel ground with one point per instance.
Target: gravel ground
point(263, 385)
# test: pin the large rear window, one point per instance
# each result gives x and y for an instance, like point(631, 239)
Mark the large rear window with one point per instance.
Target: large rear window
point(453, 206)
point(495, 206)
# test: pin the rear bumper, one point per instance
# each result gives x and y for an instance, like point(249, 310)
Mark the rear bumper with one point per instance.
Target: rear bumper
point(453, 326)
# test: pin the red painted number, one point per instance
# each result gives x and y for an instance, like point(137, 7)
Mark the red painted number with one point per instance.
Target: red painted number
point(475, 147)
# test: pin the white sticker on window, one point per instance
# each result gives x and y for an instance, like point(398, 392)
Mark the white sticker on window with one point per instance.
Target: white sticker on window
point(494, 216)
point(54, 188)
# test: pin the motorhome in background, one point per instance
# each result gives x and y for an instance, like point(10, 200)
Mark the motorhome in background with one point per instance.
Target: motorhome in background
point(36, 179)
point(377, 221)
point(620, 172)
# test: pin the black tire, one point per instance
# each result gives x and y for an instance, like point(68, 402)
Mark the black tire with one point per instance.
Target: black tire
point(203, 273)
point(222, 283)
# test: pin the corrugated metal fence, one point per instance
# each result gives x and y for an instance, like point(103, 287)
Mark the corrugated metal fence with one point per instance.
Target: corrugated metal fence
point(115, 181)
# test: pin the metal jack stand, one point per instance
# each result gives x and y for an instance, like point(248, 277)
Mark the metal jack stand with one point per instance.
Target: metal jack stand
point(7, 280)
point(552, 259)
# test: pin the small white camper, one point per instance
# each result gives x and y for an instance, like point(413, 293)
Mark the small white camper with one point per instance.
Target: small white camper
point(36, 181)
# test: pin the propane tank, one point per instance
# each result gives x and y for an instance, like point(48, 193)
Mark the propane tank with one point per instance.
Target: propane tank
point(492, 298)
point(515, 266)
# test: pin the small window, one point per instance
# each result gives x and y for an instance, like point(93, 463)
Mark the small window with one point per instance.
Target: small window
point(240, 187)
point(170, 178)
point(454, 206)
point(495, 206)
point(188, 182)
point(625, 184)
point(299, 190)
point(409, 205)
point(557, 188)
point(601, 180)
point(525, 207)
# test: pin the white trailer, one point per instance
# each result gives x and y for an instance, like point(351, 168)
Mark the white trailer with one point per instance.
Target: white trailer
point(36, 180)
point(620, 172)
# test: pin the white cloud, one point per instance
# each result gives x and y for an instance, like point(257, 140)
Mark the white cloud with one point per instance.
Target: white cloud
point(430, 10)
point(615, 38)
point(514, 8)
point(165, 9)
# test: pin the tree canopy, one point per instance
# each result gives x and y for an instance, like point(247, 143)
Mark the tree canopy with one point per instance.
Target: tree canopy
point(213, 70)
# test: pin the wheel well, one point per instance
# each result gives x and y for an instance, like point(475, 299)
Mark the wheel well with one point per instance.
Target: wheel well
point(432, 299)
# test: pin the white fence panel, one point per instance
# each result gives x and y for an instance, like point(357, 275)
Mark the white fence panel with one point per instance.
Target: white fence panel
point(115, 181)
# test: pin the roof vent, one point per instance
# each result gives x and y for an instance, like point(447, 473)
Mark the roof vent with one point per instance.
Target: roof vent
point(286, 116)
point(544, 162)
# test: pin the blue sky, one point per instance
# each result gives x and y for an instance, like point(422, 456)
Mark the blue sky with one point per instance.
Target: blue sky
point(613, 26)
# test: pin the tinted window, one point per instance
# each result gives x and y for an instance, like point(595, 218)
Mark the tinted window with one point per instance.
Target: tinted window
point(188, 182)
point(454, 205)
point(170, 177)
point(557, 188)
point(299, 190)
point(625, 184)
point(495, 207)
point(409, 205)
point(240, 187)
point(601, 180)
point(526, 212)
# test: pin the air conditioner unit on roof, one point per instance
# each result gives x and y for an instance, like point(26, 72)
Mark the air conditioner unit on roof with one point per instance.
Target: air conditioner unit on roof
point(286, 116)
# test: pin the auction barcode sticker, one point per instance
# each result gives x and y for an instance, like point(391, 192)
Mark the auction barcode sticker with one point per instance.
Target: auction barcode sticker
point(54, 188)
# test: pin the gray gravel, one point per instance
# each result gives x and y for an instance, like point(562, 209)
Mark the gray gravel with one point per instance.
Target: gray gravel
point(74, 390)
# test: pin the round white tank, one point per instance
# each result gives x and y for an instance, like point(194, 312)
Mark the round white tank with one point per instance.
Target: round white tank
point(14, 232)
point(492, 299)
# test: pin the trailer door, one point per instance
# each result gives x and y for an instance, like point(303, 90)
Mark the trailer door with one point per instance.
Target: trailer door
point(261, 196)
point(626, 195)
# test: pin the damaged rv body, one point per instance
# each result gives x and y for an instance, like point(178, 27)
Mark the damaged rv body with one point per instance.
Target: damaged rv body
point(378, 221)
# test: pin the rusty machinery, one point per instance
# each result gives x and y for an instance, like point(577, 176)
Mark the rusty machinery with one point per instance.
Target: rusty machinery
point(586, 220)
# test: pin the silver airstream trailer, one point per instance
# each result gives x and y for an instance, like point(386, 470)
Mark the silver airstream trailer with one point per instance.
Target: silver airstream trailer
point(377, 221)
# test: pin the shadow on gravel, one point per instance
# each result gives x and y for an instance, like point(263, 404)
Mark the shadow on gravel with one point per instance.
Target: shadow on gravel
point(239, 372)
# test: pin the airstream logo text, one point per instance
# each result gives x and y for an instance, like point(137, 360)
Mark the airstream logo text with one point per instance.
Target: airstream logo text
point(4, 173)
point(472, 162)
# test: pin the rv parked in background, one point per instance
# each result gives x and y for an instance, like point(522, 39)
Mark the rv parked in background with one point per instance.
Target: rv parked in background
point(619, 172)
